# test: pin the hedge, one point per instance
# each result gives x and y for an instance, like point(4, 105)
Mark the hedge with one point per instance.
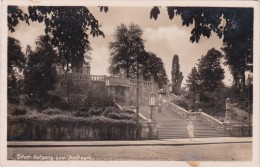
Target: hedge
point(67, 127)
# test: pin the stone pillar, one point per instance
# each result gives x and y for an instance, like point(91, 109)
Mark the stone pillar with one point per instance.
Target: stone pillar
point(197, 98)
point(151, 112)
point(88, 74)
point(152, 78)
point(228, 111)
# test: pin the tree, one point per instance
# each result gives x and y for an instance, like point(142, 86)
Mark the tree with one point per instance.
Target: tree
point(210, 72)
point(16, 64)
point(40, 73)
point(154, 66)
point(67, 28)
point(177, 76)
point(126, 49)
point(193, 82)
point(235, 25)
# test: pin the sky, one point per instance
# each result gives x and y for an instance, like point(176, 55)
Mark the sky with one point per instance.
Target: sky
point(163, 36)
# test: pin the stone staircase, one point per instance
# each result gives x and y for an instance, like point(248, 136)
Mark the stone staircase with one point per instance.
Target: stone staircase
point(170, 125)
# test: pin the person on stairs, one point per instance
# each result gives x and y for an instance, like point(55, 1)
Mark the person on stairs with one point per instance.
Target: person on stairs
point(190, 129)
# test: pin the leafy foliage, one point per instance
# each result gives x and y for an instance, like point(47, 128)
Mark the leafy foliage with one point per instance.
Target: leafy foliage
point(126, 50)
point(51, 111)
point(67, 127)
point(97, 99)
point(15, 14)
point(40, 73)
point(210, 72)
point(154, 12)
point(19, 111)
point(207, 82)
point(127, 56)
point(154, 67)
point(67, 27)
point(16, 64)
point(177, 76)
point(103, 8)
point(193, 81)
point(234, 25)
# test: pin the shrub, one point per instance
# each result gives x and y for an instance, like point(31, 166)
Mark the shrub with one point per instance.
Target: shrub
point(67, 127)
point(121, 116)
point(95, 112)
point(129, 111)
point(81, 114)
point(51, 111)
point(31, 102)
point(19, 111)
point(182, 103)
point(13, 99)
point(55, 101)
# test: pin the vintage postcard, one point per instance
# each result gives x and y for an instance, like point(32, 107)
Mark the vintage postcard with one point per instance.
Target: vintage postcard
point(149, 83)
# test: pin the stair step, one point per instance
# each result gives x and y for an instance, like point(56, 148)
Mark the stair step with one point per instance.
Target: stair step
point(171, 125)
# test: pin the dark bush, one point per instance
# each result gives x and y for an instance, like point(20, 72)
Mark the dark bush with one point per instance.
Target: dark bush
point(129, 111)
point(67, 127)
point(32, 102)
point(51, 100)
point(55, 101)
point(51, 111)
point(81, 114)
point(110, 110)
point(95, 112)
point(121, 116)
point(13, 99)
point(182, 103)
point(19, 111)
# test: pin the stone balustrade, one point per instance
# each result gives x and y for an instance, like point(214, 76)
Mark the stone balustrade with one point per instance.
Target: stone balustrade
point(232, 129)
point(97, 78)
point(74, 76)
point(142, 83)
point(211, 121)
point(179, 110)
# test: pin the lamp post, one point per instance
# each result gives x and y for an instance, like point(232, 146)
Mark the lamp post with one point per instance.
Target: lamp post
point(151, 103)
point(107, 84)
point(107, 81)
point(228, 110)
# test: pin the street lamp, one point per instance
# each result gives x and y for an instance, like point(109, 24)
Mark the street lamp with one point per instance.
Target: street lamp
point(152, 103)
point(107, 84)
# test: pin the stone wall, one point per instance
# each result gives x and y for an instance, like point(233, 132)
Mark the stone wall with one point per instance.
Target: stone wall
point(123, 90)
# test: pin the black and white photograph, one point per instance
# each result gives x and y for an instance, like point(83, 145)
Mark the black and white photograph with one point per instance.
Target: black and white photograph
point(132, 82)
